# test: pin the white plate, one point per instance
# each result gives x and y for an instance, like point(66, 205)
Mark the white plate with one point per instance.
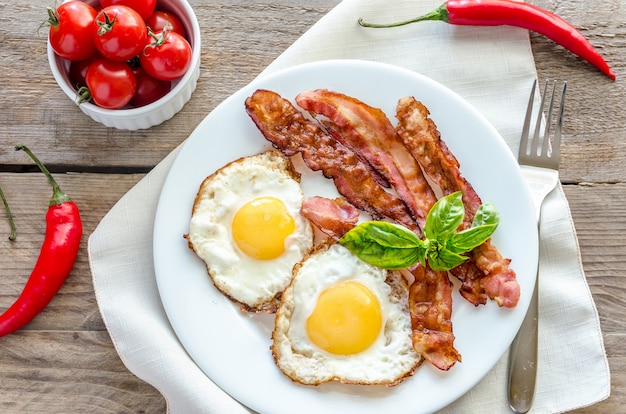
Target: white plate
point(233, 348)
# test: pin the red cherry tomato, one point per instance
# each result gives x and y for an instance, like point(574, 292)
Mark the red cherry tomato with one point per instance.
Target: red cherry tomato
point(78, 71)
point(167, 57)
point(70, 30)
point(111, 84)
point(160, 19)
point(149, 89)
point(119, 33)
point(144, 7)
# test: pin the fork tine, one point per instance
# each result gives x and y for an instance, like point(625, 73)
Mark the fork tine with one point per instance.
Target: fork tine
point(556, 146)
point(523, 145)
point(546, 145)
point(543, 150)
point(537, 137)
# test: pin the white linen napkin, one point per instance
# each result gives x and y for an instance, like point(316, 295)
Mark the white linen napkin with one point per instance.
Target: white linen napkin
point(493, 69)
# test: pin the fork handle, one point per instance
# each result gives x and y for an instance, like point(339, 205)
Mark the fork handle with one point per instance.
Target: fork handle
point(523, 360)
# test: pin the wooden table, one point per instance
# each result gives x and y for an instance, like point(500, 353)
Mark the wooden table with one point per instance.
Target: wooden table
point(64, 361)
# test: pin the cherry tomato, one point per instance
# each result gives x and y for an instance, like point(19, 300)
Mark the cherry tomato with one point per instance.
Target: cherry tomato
point(167, 57)
point(143, 7)
point(149, 89)
point(119, 33)
point(78, 71)
point(70, 30)
point(111, 84)
point(159, 20)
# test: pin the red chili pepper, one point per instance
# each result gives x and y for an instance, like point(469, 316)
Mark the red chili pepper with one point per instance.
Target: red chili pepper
point(56, 258)
point(512, 13)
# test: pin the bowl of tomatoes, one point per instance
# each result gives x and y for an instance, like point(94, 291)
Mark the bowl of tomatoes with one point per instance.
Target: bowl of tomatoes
point(128, 64)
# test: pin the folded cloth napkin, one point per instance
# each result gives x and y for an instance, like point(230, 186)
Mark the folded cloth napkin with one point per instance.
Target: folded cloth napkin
point(493, 69)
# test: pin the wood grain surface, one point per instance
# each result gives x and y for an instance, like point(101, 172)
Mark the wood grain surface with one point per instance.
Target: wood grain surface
point(64, 361)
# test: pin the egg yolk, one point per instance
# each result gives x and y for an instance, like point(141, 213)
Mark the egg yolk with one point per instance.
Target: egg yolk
point(346, 320)
point(261, 226)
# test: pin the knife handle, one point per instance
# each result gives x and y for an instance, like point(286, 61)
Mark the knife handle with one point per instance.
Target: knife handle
point(523, 360)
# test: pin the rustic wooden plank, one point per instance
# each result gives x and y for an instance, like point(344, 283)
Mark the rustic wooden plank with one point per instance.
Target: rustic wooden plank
point(63, 361)
point(594, 111)
point(240, 38)
point(598, 211)
point(69, 372)
point(234, 52)
point(614, 343)
point(74, 308)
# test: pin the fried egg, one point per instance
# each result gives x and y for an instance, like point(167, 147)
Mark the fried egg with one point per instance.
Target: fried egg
point(344, 320)
point(247, 227)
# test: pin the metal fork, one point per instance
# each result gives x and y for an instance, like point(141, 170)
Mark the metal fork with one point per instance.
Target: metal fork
point(539, 162)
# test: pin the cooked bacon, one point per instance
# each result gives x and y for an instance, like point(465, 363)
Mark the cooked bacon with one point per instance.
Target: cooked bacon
point(470, 277)
point(430, 298)
point(421, 136)
point(333, 217)
point(380, 179)
point(430, 303)
point(287, 128)
point(501, 281)
point(368, 132)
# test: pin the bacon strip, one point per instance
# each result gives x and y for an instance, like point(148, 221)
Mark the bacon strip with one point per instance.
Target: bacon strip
point(430, 303)
point(333, 217)
point(287, 128)
point(495, 278)
point(368, 132)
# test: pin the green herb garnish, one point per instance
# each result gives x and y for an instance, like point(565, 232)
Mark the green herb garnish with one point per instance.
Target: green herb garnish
point(391, 246)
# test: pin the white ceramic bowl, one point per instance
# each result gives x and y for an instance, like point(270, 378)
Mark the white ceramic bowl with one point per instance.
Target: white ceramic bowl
point(158, 111)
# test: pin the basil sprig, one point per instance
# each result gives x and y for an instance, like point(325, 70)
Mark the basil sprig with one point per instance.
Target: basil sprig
point(391, 246)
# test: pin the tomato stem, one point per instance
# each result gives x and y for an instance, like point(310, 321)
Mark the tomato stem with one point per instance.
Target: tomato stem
point(13, 235)
point(58, 196)
point(107, 25)
point(83, 95)
point(160, 39)
point(53, 17)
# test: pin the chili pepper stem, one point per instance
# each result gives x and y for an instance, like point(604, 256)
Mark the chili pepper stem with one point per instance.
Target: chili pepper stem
point(440, 14)
point(13, 235)
point(58, 196)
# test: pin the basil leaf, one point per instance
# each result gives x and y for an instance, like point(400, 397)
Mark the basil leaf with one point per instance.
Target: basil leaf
point(466, 240)
point(484, 224)
point(386, 258)
point(383, 233)
point(444, 259)
point(383, 244)
point(486, 214)
point(444, 217)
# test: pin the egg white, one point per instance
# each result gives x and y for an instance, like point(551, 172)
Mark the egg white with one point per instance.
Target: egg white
point(254, 284)
point(389, 360)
